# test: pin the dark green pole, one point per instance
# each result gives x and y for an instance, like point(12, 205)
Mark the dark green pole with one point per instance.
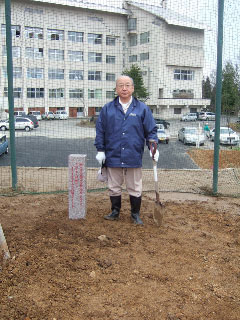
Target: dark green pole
point(10, 92)
point(218, 95)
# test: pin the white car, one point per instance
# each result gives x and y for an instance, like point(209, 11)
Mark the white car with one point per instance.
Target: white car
point(20, 124)
point(189, 117)
point(37, 114)
point(191, 135)
point(163, 135)
point(48, 115)
point(206, 116)
point(61, 115)
point(227, 136)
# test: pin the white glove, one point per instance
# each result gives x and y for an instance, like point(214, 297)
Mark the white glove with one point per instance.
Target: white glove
point(101, 157)
point(156, 156)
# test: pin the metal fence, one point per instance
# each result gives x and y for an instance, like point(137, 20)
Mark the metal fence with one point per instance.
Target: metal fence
point(66, 56)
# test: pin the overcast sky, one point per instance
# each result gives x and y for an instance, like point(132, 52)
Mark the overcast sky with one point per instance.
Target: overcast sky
point(206, 11)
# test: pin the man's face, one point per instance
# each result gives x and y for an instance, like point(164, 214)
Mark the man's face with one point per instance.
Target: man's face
point(124, 88)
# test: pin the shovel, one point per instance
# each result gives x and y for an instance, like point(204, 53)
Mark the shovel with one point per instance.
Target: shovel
point(159, 207)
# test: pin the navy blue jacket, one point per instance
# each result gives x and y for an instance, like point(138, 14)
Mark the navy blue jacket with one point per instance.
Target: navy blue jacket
point(122, 136)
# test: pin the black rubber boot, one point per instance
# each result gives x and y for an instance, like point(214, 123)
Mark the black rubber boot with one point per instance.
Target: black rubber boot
point(135, 209)
point(116, 206)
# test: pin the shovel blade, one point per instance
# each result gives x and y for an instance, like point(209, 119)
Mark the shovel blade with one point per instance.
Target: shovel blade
point(158, 213)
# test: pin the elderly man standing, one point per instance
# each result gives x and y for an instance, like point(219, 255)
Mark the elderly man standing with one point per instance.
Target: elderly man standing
point(122, 128)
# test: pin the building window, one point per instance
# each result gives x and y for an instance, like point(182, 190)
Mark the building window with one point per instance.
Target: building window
point(35, 73)
point(110, 59)
point(56, 74)
point(94, 38)
point(75, 55)
point(16, 52)
point(177, 111)
point(56, 93)
point(16, 31)
point(94, 93)
point(110, 41)
point(56, 54)
point(133, 40)
point(35, 92)
point(110, 94)
point(133, 58)
point(94, 57)
point(94, 75)
point(144, 37)
point(183, 74)
point(75, 74)
point(34, 53)
point(17, 72)
point(17, 92)
point(33, 33)
point(54, 34)
point(110, 76)
point(183, 93)
point(75, 36)
point(144, 56)
point(132, 24)
point(76, 93)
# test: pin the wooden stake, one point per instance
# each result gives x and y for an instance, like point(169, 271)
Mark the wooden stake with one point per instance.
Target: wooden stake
point(3, 245)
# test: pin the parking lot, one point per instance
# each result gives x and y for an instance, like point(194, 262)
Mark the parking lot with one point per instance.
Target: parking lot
point(68, 129)
point(50, 144)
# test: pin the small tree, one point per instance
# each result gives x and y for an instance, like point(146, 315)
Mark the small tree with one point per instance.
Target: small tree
point(230, 89)
point(206, 88)
point(140, 91)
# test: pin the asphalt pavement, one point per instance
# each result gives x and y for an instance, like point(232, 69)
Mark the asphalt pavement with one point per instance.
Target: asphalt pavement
point(52, 142)
point(47, 152)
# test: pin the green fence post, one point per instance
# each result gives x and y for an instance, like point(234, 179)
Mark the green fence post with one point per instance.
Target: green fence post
point(218, 95)
point(10, 92)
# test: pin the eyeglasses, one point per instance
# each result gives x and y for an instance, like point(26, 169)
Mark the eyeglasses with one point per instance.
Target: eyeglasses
point(127, 86)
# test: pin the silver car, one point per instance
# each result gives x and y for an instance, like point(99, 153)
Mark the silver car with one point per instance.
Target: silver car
point(189, 117)
point(191, 135)
point(206, 116)
point(48, 115)
point(20, 124)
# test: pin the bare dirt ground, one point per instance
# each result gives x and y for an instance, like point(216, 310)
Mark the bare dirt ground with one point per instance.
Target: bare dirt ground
point(227, 158)
point(63, 269)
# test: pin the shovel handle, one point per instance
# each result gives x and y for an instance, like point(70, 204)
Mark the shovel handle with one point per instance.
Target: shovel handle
point(153, 147)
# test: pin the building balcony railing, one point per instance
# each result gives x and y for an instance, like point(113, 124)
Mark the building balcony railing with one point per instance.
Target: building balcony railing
point(180, 102)
point(185, 95)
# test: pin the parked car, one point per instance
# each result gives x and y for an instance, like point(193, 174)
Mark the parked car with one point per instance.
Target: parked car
point(3, 145)
point(163, 135)
point(206, 116)
point(162, 121)
point(19, 113)
point(191, 135)
point(20, 124)
point(37, 114)
point(34, 120)
point(189, 117)
point(227, 136)
point(48, 115)
point(61, 115)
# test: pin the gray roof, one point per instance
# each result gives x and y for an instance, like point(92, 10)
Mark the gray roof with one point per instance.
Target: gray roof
point(169, 16)
point(86, 5)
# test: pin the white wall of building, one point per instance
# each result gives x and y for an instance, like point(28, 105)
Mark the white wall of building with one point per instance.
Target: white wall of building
point(169, 48)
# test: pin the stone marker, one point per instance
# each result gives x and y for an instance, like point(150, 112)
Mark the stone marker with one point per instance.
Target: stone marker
point(77, 186)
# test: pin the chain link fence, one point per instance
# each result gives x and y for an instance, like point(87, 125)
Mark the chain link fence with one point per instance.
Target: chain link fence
point(66, 58)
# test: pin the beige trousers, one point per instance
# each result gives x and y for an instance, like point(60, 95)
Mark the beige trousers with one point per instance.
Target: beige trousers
point(132, 178)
